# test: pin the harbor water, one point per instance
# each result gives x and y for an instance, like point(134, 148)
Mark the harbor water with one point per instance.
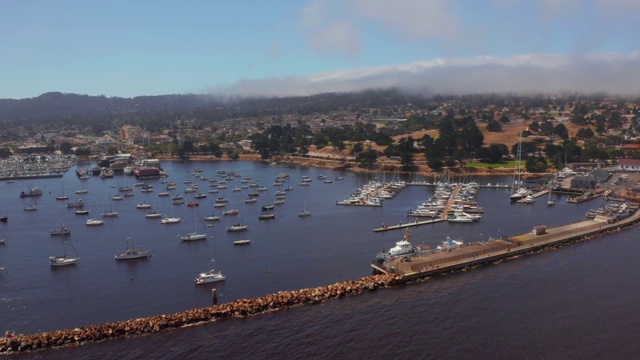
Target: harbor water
point(574, 302)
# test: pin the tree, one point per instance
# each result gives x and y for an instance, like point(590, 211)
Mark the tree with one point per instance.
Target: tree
point(367, 158)
point(494, 126)
point(435, 163)
point(65, 148)
point(561, 131)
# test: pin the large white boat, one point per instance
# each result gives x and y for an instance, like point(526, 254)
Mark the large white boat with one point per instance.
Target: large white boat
point(94, 222)
point(210, 276)
point(132, 252)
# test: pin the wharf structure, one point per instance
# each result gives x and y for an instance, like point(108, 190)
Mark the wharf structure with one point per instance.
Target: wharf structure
point(428, 264)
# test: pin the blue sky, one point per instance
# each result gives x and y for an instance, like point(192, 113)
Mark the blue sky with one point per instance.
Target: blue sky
point(288, 47)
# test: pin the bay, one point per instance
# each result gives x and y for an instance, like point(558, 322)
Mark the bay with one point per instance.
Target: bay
point(487, 311)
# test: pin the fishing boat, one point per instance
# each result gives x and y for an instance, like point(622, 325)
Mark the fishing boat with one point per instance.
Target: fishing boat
point(131, 252)
point(94, 222)
point(62, 260)
point(403, 248)
point(79, 203)
point(210, 276)
point(34, 191)
point(62, 231)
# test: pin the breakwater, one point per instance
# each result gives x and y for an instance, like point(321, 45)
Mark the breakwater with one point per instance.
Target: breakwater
point(236, 309)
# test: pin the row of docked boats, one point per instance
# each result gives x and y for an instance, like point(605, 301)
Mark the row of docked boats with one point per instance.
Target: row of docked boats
point(373, 193)
point(405, 249)
point(456, 201)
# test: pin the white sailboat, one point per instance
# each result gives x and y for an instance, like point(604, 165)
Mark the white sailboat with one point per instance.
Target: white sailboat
point(305, 212)
point(62, 260)
point(193, 236)
point(517, 191)
point(62, 196)
point(550, 201)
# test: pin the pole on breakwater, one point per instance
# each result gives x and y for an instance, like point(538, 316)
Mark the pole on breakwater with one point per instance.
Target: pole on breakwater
point(214, 296)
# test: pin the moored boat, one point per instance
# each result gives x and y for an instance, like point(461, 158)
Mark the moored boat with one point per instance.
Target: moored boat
point(132, 253)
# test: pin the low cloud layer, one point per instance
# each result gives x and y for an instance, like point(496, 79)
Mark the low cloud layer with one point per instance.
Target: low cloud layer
point(617, 74)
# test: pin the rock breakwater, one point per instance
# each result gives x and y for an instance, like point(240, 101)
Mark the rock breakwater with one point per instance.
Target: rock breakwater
point(236, 309)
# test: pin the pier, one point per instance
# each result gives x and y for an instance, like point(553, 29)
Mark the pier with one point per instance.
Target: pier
point(406, 225)
point(465, 257)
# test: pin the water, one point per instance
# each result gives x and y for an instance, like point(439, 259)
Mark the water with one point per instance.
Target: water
point(575, 302)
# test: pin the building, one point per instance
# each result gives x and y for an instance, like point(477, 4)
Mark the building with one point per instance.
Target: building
point(583, 182)
point(629, 164)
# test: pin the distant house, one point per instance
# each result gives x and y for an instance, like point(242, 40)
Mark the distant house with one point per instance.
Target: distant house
point(629, 164)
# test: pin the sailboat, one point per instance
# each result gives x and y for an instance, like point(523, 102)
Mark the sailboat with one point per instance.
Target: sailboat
point(210, 276)
point(518, 192)
point(64, 259)
point(63, 196)
point(110, 213)
point(550, 201)
point(305, 212)
point(242, 241)
point(194, 235)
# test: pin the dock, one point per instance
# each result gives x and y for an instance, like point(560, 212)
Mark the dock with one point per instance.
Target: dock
point(475, 254)
point(406, 225)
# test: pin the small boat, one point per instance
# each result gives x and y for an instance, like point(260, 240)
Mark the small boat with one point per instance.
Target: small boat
point(193, 237)
point(4, 218)
point(304, 213)
point(242, 242)
point(81, 191)
point(211, 218)
point(77, 204)
point(237, 227)
point(63, 260)
point(221, 200)
point(117, 197)
point(94, 222)
point(267, 207)
point(171, 220)
point(267, 216)
point(193, 204)
point(62, 197)
point(30, 208)
point(143, 206)
point(132, 252)
point(82, 212)
point(278, 202)
point(219, 205)
point(250, 200)
point(62, 231)
point(200, 196)
point(110, 214)
point(153, 215)
point(163, 193)
point(210, 276)
point(450, 244)
point(231, 212)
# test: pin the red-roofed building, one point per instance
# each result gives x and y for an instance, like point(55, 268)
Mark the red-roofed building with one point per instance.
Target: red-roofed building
point(629, 164)
point(630, 147)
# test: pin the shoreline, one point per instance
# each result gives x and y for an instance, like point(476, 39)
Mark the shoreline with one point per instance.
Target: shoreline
point(332, 164)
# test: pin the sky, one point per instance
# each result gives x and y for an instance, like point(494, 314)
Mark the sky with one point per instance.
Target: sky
point(300, 47)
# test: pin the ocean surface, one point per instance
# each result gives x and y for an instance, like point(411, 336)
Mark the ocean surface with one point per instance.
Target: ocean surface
point(577, 302)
